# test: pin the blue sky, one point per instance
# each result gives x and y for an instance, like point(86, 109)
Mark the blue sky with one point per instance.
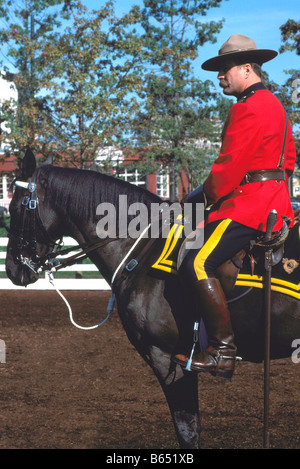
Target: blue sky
point(258, 19)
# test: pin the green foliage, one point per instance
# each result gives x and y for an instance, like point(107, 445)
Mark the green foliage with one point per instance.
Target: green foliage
point(87, 80)
point(26, 29)
point(290, 34)
point(77, 71)
point(178, 110)
point(97, 76)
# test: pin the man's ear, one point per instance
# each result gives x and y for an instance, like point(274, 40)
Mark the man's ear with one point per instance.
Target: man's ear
point(247, 69)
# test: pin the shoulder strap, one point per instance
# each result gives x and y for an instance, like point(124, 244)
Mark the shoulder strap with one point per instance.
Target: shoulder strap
point(281, 158)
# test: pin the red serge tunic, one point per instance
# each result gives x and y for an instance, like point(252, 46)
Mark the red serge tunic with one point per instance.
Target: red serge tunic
point(252, 139)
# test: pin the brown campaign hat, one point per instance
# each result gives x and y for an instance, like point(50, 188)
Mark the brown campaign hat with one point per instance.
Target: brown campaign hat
point(241, 49)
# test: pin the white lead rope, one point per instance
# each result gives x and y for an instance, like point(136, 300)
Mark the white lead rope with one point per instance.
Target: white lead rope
point(51, 280)
point(112, 299)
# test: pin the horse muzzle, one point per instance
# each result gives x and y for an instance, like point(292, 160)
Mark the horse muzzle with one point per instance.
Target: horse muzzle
point(21, 271)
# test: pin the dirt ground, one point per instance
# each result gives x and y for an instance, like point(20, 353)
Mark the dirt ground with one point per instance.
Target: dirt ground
point(65, 388)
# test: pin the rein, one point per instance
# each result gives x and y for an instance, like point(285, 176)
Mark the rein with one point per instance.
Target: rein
point(50, 262)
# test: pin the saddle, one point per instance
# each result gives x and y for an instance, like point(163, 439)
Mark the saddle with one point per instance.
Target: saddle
point(161, 258)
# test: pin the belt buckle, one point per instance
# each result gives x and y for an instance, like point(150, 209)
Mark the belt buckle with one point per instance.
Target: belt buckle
point(247, 178)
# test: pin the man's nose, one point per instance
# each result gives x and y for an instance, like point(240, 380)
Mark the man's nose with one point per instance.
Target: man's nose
point(221, 74)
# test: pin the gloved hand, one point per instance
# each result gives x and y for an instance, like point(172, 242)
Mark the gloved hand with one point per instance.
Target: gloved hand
point(196, 196)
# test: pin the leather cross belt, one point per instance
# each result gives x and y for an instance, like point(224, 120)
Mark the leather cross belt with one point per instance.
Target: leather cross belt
point(263, 175)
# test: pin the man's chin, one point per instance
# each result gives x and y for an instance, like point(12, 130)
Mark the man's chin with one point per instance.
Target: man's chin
point(225, 90)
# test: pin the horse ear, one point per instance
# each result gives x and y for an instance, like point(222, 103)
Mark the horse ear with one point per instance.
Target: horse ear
point(49, 160)
point(28, 164)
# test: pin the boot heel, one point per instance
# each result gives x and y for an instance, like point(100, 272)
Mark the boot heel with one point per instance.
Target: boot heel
point(225, 365)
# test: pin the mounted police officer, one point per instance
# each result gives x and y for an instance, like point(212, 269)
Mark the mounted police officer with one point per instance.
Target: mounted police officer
point(246, 182)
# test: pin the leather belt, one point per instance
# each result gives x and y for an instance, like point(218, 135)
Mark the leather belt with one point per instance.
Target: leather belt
point(263, 175)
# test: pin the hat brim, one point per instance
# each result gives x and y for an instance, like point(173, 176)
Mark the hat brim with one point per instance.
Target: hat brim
point(259, 56)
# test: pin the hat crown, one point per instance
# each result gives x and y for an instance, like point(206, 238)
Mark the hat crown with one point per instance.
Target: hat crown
point(237, 42)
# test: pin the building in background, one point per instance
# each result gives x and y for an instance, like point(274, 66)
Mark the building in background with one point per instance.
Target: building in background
point(119, 166)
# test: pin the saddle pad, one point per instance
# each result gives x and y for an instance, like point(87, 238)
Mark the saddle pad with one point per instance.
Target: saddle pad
point(167, 260)
point(285, 274)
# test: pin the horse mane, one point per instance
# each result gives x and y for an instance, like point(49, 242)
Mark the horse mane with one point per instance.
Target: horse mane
point(79, 191)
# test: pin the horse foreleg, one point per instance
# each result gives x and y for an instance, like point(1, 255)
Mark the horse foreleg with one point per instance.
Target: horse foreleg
point(182, 398)
point(181, 391)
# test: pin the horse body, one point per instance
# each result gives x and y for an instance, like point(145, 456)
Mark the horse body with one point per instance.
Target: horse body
point(151, 309)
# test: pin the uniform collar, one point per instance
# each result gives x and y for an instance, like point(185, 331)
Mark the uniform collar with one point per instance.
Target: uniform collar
point(251, 90)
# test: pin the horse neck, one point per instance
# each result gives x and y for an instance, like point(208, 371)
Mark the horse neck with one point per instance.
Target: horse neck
point(112, 252)
point(82, 224)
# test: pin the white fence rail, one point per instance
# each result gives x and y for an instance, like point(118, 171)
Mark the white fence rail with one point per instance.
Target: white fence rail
point(71, 283)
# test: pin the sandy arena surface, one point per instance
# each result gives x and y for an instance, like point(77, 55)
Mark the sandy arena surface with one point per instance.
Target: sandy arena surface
point(65, 388)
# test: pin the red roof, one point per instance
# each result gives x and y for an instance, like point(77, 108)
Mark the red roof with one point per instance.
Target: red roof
point(8, 164)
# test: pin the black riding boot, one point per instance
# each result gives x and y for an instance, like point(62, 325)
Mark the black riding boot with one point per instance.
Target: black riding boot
point(219, 357)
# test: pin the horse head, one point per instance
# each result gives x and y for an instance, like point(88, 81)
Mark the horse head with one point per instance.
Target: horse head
point(31, 238)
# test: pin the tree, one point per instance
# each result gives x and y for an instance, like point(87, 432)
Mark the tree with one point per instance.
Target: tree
point(176, 107)
point(26, 28)
point(98, 73)
point(76, 74)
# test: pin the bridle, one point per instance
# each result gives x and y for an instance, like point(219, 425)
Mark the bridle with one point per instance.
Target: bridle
point(26, 239)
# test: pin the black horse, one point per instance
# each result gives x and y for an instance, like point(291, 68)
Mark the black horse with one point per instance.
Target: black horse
point(63, 202)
